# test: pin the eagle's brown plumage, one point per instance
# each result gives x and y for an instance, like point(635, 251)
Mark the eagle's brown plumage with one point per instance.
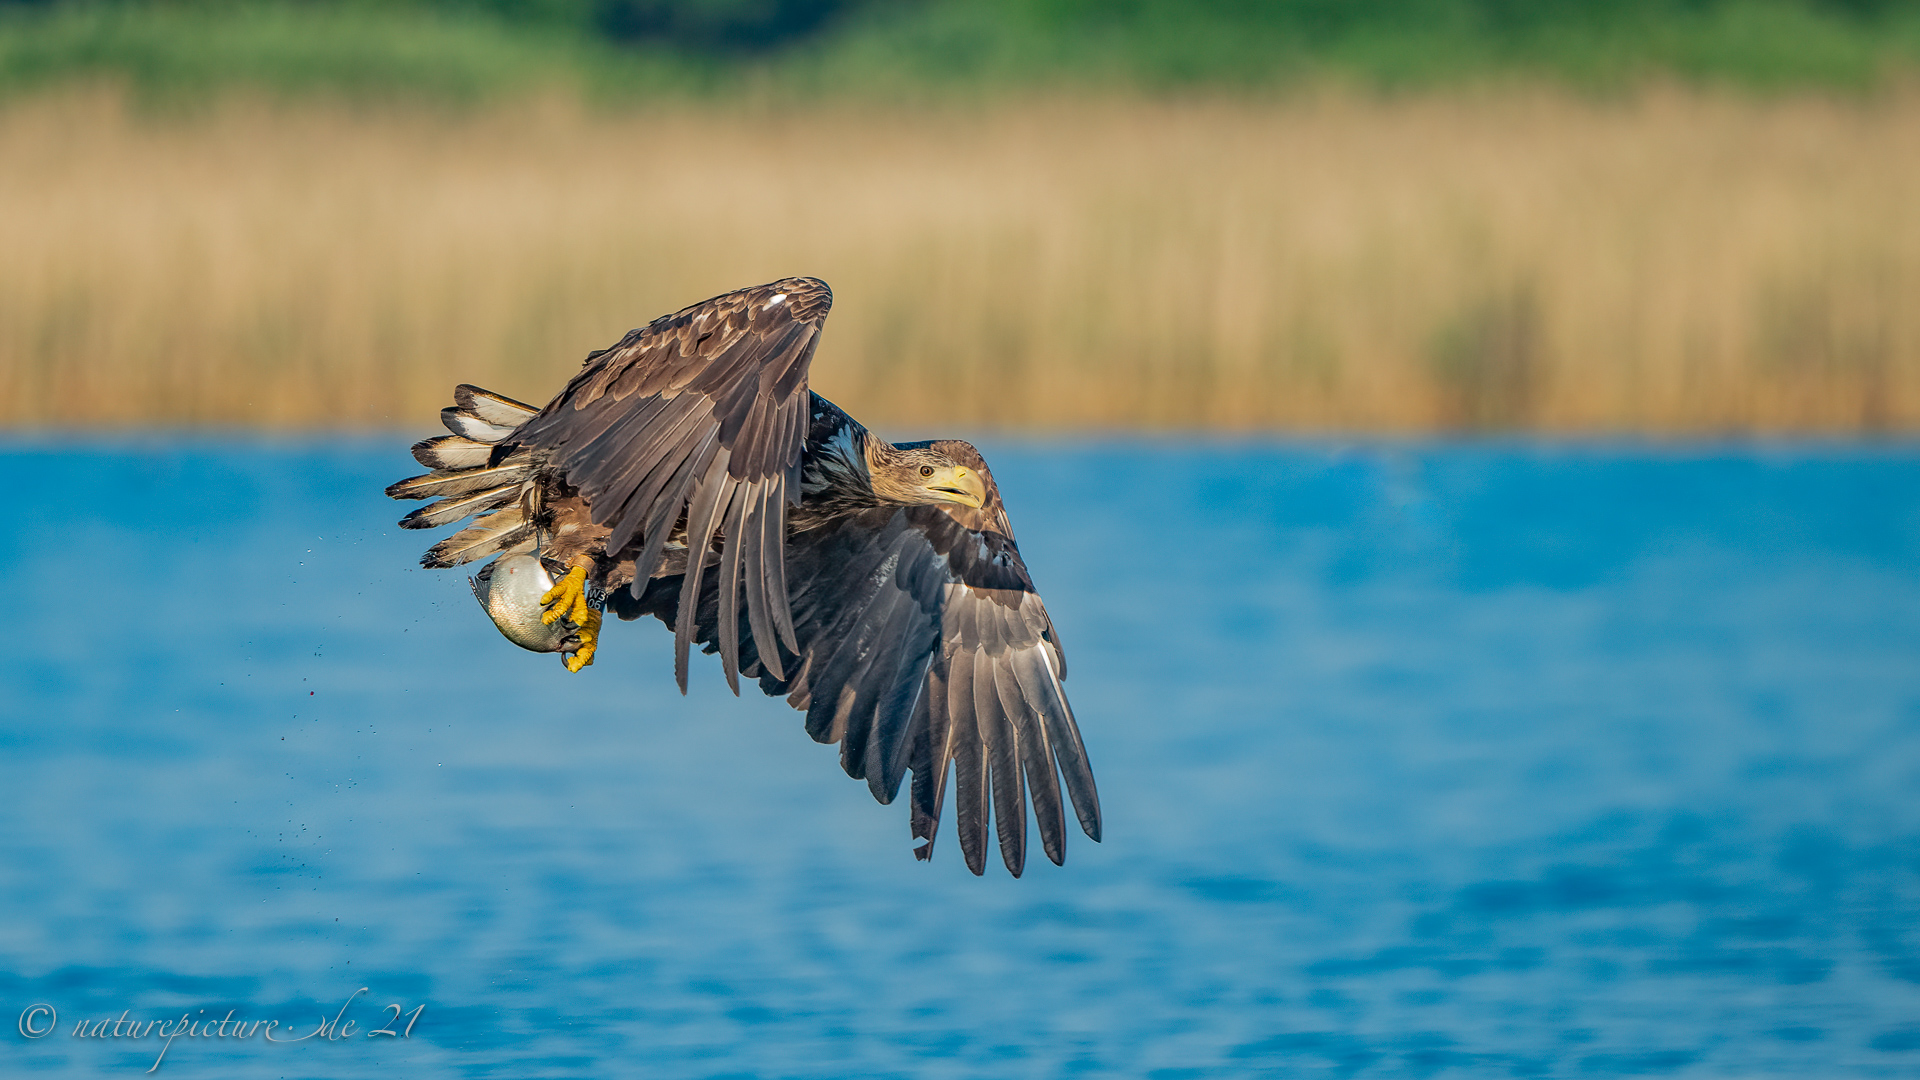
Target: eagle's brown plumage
point(877, 586)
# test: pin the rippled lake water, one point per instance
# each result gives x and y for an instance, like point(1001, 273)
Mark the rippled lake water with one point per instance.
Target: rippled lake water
point(1498, 759)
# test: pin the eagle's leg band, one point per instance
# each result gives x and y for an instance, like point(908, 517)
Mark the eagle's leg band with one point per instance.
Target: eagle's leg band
point(568, 600)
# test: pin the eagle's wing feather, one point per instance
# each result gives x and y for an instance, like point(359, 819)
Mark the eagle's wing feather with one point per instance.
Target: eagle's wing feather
point(923, 647)
point(699, 415)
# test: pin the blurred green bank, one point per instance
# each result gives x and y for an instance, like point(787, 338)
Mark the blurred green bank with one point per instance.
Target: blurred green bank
point(619, 49)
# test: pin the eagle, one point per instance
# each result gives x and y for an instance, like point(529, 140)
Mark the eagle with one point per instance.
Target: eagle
point(689, 473)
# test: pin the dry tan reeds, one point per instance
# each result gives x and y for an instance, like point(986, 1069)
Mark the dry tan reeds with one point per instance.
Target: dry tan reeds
point(1675, 263)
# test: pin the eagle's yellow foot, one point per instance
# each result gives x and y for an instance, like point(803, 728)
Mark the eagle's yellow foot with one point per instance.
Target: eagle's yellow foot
point(568, 600)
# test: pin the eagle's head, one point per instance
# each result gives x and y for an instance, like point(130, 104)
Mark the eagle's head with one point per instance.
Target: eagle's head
point(919, 474)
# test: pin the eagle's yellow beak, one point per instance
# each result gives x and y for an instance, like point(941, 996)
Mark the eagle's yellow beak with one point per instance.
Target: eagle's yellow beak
point(958, 484)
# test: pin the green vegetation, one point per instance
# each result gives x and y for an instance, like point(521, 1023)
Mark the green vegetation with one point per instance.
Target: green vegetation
point(462, 49)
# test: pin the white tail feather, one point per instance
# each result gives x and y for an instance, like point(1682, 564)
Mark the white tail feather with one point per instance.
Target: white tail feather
point(461, 482)
point(491, 407)
point(452, 452)
point(506, 531)
point(473, 427)
point(448, 511)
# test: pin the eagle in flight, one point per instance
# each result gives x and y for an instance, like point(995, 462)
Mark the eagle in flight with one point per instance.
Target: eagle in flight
point(689, 473)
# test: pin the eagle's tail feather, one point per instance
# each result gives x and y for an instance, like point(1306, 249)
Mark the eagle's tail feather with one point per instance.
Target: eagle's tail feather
point(496, 409)
point(505, 531)
point(452, 452)
point(442, 483)
point(467, 480)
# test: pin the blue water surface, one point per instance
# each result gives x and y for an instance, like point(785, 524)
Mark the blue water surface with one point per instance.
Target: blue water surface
point(1417, 760)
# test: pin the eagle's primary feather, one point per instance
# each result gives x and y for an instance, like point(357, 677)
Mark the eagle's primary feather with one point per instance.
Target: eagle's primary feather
point(691, 473)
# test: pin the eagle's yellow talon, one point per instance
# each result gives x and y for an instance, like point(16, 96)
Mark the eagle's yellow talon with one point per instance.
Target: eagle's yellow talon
point(568, 600)
point(589, 635)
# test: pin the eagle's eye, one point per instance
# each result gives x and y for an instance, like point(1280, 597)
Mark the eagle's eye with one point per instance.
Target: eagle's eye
point(926, 470)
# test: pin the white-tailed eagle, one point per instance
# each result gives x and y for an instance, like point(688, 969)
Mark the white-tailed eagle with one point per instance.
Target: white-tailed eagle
point(876, 585)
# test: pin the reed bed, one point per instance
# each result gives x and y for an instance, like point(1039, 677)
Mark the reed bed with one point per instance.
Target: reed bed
point(1676, 262)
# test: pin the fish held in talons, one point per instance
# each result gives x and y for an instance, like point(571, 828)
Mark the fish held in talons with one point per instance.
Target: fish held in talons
point(515, 591)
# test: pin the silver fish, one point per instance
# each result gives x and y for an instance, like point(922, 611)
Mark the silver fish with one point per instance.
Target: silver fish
point(510, 589)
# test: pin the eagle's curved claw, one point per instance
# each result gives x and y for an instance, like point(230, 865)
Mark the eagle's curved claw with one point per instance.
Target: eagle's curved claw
point(568, 600)
point(589, 635)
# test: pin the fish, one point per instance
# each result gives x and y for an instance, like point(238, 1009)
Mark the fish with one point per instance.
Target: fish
point(509, 590)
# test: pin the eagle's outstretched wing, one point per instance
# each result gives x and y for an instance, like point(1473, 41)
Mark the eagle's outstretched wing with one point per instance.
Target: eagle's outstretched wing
point(922, 646)
point(699, 416)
